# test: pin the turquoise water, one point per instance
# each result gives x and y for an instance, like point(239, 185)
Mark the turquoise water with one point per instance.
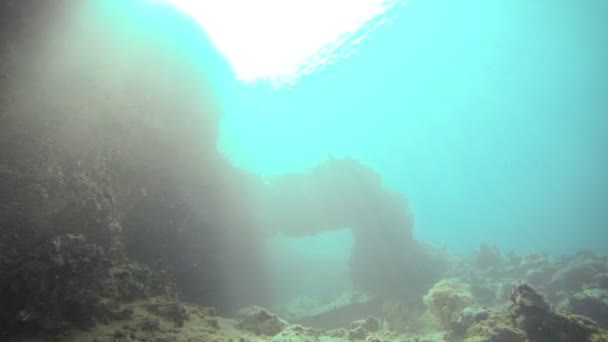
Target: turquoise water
point(297, 264)
point(490, 116)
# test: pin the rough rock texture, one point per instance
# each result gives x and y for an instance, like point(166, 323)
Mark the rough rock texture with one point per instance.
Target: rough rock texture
point(497, 328)
point(446, 299)
point(530, 318)
point(361, 329)
point(89, 141)
point(486, 289)
point(558, 278)
point(533, 315)
point(371, 324)
point(467, 317)
point(601, 281)
point(260, 322)
point(592, 303)
point(142, 321)
point(298, 333)
point(573, 275)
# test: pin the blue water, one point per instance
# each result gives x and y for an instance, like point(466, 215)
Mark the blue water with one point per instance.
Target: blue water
point(490, 116)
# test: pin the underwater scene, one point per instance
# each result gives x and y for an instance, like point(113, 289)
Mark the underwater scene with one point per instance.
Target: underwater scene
point(304, 171)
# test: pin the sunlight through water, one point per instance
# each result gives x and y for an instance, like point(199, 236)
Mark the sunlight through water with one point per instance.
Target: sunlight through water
point(281, 40)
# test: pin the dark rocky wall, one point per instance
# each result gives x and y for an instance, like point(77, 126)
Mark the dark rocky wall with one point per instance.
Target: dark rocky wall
point(107, 151)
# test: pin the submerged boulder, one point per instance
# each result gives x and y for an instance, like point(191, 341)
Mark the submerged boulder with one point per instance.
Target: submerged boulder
point(577, 273)
point(533, 315)
point(468, 317)
point(260, 321)
point(446, 300)
point(371, 324)
point(601, 280)
point(296, 332)
point(592, 303)
point(531, 318)
point(498, 327)
point(527, 300)
point(360, 329)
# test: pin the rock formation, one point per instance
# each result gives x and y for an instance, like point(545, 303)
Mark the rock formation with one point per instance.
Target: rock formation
point(111, 185)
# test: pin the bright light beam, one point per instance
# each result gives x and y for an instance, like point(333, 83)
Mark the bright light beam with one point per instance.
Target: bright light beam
point(273, 39)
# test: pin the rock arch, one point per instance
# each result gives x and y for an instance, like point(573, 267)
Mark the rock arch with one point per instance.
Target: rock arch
point(341, 192)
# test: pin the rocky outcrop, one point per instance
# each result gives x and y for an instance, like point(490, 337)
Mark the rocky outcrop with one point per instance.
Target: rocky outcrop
point(533, 315)
point(447, 299)
point(530, 318)
point(108, 136)
point(298, 333)
point(498, 327)
point(574, 275)
point(260, 322)
point(361, 329)
point(592, 303)
point(99, 125)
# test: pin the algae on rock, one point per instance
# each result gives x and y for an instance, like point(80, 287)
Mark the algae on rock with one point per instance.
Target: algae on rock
point(446, 299)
